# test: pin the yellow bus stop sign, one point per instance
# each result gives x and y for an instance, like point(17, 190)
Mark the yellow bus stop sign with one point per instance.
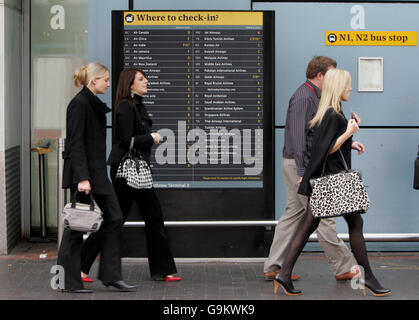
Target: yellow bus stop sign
point(371, 38)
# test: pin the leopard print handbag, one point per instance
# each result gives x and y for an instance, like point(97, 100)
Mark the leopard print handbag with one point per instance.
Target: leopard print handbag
point(338, 194)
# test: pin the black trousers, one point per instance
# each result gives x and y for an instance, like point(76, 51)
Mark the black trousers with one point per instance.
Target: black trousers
point(160, 259)
point(107, 239)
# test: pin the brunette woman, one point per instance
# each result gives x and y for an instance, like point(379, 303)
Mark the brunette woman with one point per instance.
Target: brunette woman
point(132, 120)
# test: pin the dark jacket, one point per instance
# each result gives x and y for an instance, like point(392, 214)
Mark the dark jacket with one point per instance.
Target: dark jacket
point(131, 120)
point(85, 144)
point(325, 135)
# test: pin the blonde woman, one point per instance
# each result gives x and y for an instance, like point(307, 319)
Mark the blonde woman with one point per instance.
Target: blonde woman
point(332, 131)
point(85, 171)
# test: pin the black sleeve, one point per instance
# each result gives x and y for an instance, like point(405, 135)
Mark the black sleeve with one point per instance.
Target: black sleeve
point(76, 130)
point(325, 136)
point(125, 116)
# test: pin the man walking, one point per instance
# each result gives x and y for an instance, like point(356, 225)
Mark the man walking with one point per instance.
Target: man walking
point(302, 107)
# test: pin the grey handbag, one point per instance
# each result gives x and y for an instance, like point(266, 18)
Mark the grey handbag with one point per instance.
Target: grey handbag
point(82, 217)
point(135, 170)
point(338, 194)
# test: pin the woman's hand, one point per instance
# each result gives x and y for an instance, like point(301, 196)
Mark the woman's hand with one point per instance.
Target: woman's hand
point(358, 146)
point(84, 186)
point(157, 137)
point(352, 127)
point(356, 117)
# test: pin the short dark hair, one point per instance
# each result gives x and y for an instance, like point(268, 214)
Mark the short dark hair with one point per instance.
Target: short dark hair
point(319, 64)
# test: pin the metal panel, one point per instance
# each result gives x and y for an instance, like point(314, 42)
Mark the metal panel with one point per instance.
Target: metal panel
point(192, 5)
point(372, 237)
point(26, 120)
point(13, 207)
point(300, 36)
point(388, 163)
point(387, 167)
point(100, 38)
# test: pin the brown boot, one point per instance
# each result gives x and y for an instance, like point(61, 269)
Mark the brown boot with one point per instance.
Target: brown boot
point(270, 275)
point(348, 275)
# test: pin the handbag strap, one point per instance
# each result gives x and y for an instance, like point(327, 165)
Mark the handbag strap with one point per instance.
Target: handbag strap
point(131, 145)
point(341, 157)
point(73, 202)
point(137, 118)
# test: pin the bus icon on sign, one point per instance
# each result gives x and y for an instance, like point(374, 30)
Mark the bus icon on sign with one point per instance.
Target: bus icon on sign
point(129, 18)
point(332, 38)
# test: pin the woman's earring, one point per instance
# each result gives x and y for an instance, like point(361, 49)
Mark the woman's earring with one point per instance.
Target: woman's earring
point(132, 94)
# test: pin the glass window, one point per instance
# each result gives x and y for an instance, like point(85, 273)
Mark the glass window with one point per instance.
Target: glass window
point(59, 45)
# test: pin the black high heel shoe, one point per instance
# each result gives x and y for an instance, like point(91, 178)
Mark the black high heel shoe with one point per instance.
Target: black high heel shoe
point(288, 288)
point(121, 286)
point(376, 292)
point(83, 290)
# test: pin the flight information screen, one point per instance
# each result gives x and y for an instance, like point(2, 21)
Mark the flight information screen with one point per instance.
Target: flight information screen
point(206, 93)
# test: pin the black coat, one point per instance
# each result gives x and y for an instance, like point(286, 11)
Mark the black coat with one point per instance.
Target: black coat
point(324, 138)
point(85, 144)
point(131, 120)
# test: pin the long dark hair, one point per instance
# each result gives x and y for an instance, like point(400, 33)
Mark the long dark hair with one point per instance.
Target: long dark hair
point(123, 91)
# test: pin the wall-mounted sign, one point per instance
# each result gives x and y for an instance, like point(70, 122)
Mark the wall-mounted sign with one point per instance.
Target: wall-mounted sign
point(371, 38)
point(370, 74)
point(188, 18)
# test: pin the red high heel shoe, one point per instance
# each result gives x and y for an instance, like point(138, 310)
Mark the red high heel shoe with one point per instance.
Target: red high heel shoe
point(86, 278)
point(171, 278)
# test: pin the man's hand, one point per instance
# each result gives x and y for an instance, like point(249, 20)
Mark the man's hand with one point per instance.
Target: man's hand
point(358, 146)
point(299, 180)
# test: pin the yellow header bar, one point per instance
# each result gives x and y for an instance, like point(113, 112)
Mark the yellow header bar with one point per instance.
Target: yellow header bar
point(371, 38)
point(180, 18)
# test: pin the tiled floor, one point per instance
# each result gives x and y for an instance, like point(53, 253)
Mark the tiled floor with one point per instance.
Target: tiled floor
point(26, 275)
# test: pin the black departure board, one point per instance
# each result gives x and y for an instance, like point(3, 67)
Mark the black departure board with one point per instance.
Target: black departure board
point(205, 94)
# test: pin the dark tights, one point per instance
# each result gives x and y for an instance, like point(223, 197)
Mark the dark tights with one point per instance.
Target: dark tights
point(356, 239)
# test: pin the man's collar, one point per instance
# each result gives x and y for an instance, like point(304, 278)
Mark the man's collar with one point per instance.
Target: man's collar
point(317, 89)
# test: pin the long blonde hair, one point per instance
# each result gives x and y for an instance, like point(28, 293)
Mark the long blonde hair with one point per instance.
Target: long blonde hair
point(334, 84)
point(84, 75)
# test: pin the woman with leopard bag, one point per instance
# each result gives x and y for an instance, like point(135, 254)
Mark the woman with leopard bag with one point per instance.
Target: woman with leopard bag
point(332, 131)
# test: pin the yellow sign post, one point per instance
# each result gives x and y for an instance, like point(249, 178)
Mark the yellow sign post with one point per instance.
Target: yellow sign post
point(371, 38)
